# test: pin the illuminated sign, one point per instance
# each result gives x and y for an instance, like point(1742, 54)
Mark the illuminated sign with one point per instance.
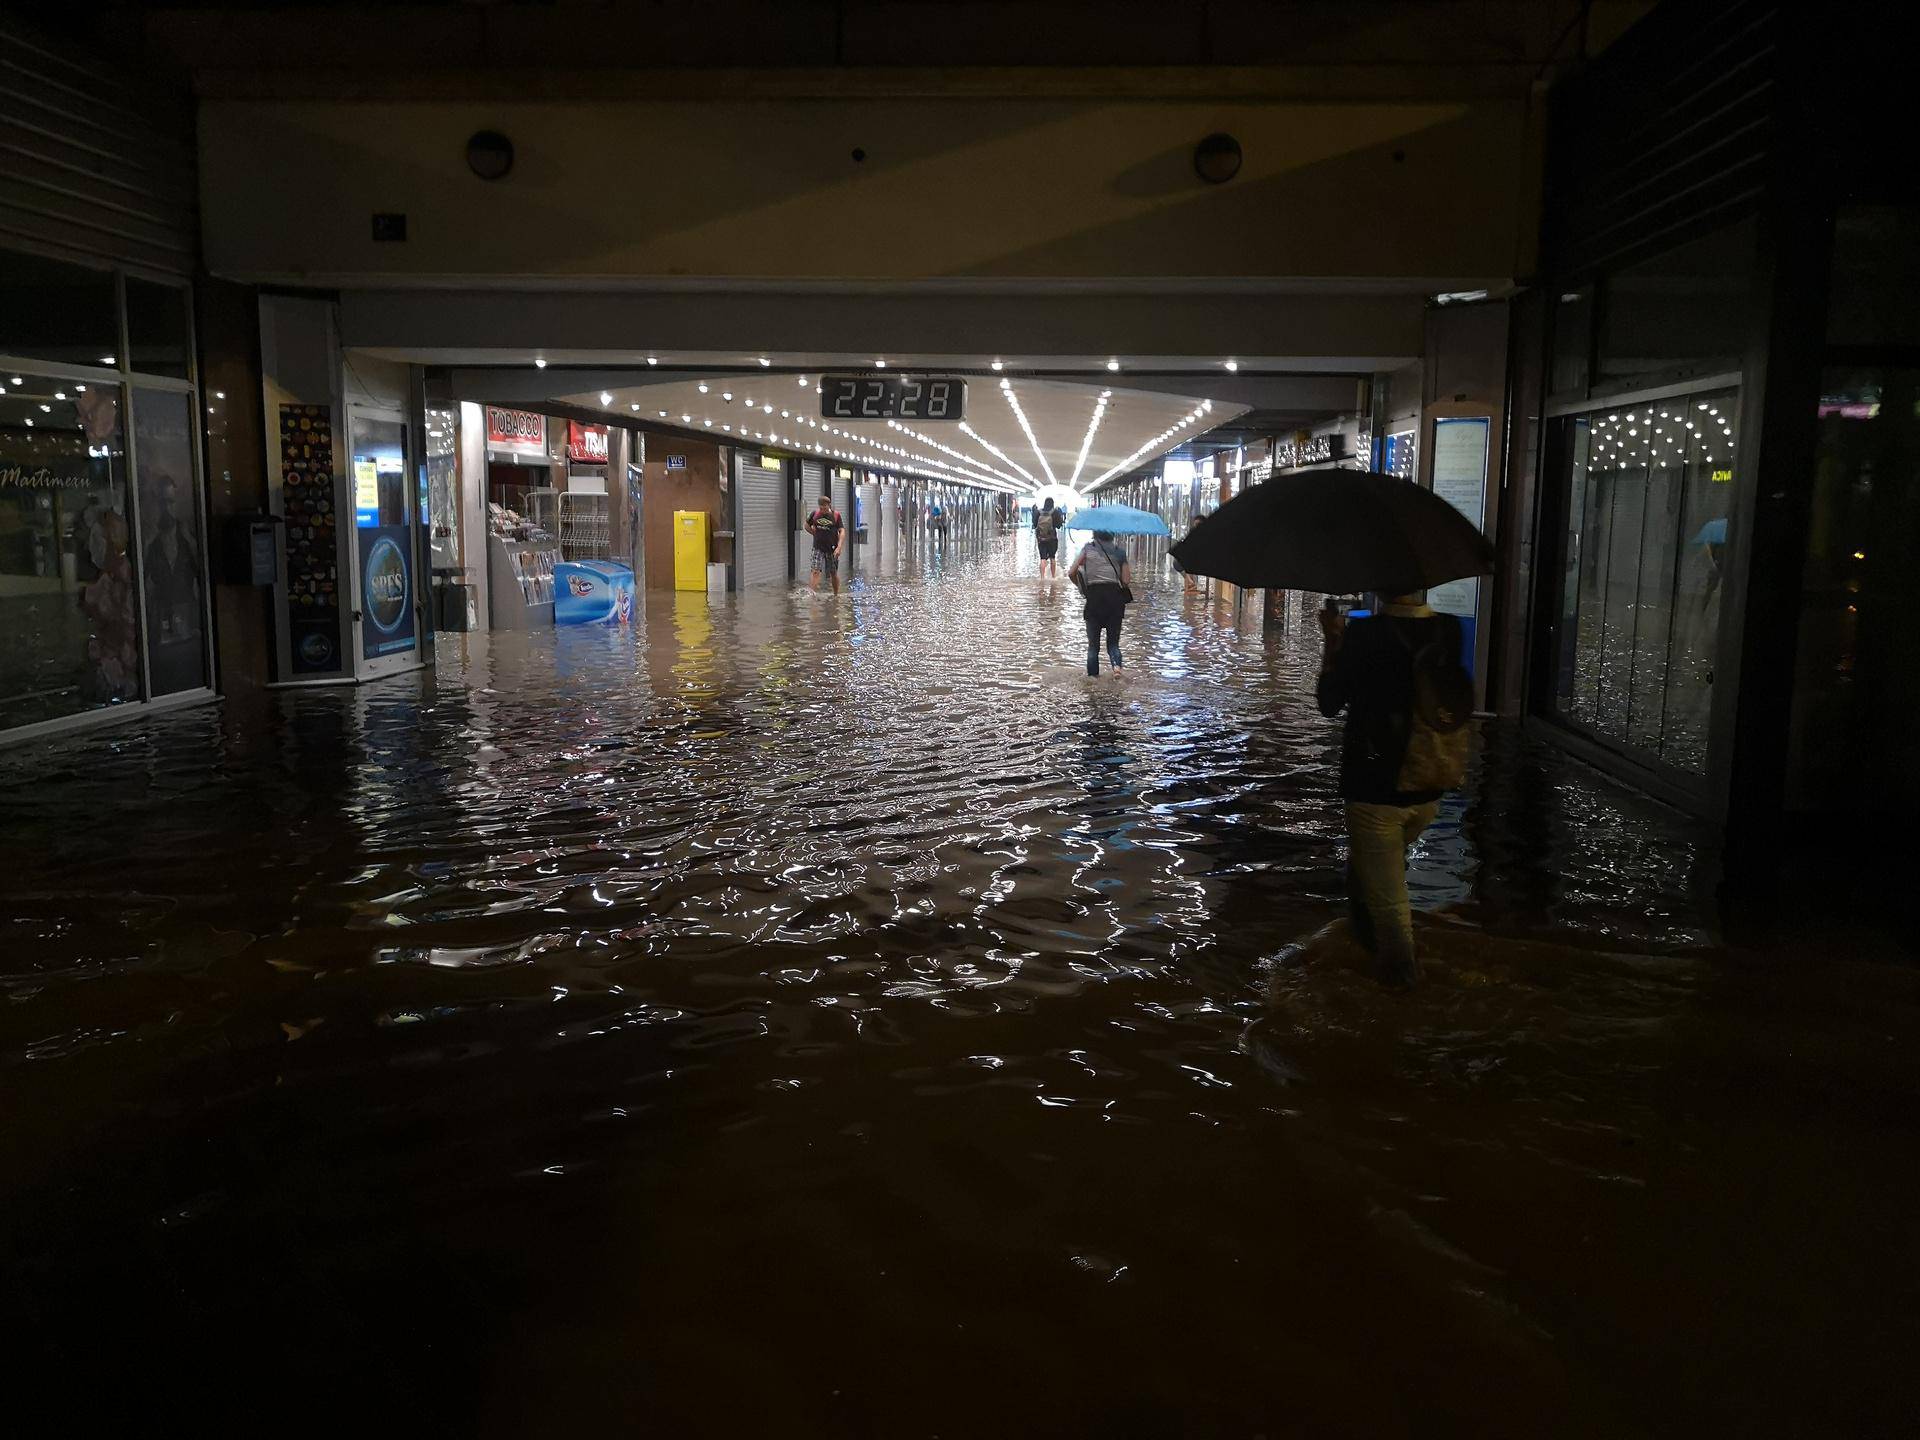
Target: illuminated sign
point(586, 444)
point(1723, 477)
point(520, 432)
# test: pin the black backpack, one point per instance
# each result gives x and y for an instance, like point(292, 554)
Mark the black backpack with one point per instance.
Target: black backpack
point(1438, 739)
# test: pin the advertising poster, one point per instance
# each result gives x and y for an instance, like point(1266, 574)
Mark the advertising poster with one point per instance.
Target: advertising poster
point(313, 559)
point(366, 491)
point(386, 590)
point(1460, 479)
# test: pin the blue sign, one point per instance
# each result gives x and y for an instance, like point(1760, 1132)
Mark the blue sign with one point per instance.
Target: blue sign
point(386, 590)
point(676, 462)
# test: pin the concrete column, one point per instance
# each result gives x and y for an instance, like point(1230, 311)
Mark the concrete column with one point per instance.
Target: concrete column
point(472, 459)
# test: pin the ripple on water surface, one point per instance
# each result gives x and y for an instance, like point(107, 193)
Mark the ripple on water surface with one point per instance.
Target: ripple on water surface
point(830, 1000)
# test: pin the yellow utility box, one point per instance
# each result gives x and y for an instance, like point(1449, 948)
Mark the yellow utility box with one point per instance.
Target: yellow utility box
point(690, 548)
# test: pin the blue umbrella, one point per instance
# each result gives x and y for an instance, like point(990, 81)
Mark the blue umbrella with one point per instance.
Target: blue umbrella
point(1119, 520)
point(1714, 532)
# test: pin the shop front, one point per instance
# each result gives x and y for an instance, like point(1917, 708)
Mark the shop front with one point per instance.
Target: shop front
point(104, 588)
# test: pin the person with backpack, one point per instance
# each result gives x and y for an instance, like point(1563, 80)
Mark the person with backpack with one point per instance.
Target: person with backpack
point(1046, 534)
point(1105, 577)
point(1397, 674)
point(829, 533)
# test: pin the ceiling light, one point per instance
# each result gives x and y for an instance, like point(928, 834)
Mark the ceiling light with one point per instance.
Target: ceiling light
point(707, 423)
point(108, 360)
point(997, 365)
point(606, 398)
point(635, 405)
point(879, 364)
point(1021, 415)
point(1113, 364)
point(59, 394)
point(703, 387)
point(653, 360)
point(538, 363)
point(764, 362)
point(803, 382)
point(767, 408)
point(686, 417)
point(663, 414)
point(1233, 364)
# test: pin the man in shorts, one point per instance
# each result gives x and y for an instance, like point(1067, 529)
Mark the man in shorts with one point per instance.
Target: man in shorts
point(1047, 524)
point(829, 533)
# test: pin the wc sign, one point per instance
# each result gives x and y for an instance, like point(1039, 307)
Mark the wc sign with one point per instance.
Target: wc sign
point(676, 462)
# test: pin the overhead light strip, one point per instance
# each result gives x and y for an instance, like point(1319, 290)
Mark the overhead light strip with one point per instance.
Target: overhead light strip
point(1171, 433)
point(1006, 389)
point(1086, 441)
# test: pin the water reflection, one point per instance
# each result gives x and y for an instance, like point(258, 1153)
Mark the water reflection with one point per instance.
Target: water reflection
point(810, 1003)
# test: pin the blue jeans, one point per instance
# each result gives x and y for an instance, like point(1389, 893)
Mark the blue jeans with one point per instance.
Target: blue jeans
point(1104, 611)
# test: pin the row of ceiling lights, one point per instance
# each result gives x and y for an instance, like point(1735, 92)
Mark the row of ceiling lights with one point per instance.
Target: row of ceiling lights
point(903, 459)
point(977, 471)
point(1113, 363)
point(1187, 422)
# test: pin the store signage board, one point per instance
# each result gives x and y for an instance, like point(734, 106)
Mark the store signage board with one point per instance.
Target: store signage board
point(586, 444)
point(517, 432)
point(893, 397)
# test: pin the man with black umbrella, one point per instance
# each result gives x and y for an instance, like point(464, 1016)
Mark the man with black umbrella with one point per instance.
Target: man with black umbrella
point(1398, 676)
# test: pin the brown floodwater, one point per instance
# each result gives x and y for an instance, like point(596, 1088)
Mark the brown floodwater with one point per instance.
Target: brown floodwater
point(825, 1018)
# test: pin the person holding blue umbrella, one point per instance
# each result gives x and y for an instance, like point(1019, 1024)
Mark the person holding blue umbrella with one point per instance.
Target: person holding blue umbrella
point(1105, 574)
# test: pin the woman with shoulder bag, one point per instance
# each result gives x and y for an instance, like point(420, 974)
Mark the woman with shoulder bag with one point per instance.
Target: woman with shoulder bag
point(1105, 577)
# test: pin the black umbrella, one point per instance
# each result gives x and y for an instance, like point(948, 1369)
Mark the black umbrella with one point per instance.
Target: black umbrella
point(1337, 531)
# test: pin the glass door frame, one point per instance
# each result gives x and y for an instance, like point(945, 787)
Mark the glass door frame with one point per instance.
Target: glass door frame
point(367, 667)
point(1690, 790)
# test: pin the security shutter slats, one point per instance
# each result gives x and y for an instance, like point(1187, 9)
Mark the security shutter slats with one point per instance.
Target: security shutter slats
point(813, 480)
point(1669, 134)
point(96, 165)
point(762, 542)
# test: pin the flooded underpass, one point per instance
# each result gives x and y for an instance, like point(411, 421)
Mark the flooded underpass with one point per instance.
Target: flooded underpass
point(845, 1018)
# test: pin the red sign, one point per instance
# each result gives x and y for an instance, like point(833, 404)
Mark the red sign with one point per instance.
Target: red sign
point(520, 431)
point(586, 444)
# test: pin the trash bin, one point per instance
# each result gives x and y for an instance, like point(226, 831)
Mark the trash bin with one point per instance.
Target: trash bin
point(459, 607)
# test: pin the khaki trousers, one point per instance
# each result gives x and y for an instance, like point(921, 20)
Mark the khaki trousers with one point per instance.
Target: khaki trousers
point(1377, 840)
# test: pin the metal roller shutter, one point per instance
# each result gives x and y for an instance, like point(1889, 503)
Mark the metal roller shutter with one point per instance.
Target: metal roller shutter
point(95, 165)
point(843, 502)
point(761, 543)
point(1670, 133)
point(813, 480)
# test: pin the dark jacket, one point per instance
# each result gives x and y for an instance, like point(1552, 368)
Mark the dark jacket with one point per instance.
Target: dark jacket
point(1371, 677)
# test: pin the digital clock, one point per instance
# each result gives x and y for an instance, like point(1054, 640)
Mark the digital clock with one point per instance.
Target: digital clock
point(892, 397)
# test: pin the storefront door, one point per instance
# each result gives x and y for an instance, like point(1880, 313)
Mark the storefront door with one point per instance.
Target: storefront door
point(386, 590)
